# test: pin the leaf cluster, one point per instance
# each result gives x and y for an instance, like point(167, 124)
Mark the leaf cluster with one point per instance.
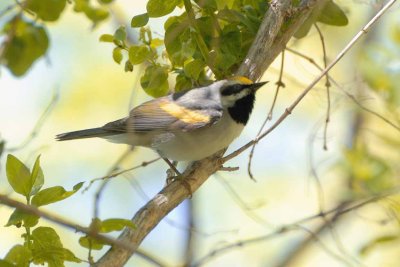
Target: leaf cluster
point(209, 36)
point(26, 37)
point(42, 245)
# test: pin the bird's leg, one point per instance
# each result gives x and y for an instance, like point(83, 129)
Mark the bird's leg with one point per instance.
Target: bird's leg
point(172, 167)
point(171, 177)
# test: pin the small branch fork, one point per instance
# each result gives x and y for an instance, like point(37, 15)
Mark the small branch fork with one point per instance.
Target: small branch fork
point(5, 200)
point(290, 109)
point(335, 212)
point(279, 84)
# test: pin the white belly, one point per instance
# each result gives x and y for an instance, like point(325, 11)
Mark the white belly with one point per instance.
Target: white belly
point(200, 143)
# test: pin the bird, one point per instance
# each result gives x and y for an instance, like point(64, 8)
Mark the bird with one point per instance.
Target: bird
point(184, 126)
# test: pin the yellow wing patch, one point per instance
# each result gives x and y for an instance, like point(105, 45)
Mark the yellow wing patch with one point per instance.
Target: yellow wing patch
point(241, 79)
point(183, 114)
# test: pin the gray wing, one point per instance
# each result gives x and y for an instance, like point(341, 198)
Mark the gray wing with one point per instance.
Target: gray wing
point(178, 112)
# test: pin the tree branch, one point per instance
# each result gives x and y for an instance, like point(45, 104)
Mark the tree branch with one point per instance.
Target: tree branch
point(269, 42)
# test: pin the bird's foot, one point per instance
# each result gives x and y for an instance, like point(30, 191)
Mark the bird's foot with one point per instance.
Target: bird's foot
point(172, 176)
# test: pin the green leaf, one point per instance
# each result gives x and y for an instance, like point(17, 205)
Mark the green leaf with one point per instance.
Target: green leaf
point(221, 4)
point(107, 38)
point(47, 247)
point(207, 4)
point(4, 263)
point(47, 10)
point(19, 255)
point(182, 82)
point(105, 2)
point(115, 224)
point(159, 8)
point(156, 42)
point(18, 176)
point(117, 54)
point(120, 34)
point(138, 54)
point(333, 15)
point(18, 218)
point(193, 68)
point(26, 43)
point(155, 81)
point(53, 194)
point(303, 30)
point(128, 66)
point(37, 177)
point(178, 42)
point(94, 14)
point(91, 243)
point(140, 20)
point(2, 144)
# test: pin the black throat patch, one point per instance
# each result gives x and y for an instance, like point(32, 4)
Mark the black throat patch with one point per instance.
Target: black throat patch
point(242, 109)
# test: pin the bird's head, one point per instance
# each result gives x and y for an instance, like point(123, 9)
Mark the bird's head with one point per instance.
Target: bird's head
point(237, 96)
point(237, 88)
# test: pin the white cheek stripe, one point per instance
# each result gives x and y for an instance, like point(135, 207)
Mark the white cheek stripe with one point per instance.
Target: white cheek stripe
point(229, 101)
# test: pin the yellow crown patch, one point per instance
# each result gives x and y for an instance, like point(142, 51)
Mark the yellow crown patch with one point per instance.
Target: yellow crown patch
point(241, 79)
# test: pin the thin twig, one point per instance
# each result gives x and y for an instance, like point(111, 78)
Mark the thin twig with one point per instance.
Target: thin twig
point(349, 95)
point(327, 85)
point(113, 175)
point(293, 226)
point(103, 185)
point(4, 199)
point(39, 123)
point(290, 109)
point(189, 249)
point(241, 203)
point(279, 84)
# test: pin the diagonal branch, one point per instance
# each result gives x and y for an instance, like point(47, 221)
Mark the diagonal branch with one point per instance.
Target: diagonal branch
point(279, 24)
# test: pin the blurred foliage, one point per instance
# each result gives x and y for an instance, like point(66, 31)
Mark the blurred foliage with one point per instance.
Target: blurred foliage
point(209, 35)
point(26, 35)
point(379, 63)
point(371, 163)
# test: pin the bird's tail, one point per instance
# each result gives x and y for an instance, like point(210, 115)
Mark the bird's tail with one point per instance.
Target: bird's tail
point(88, 133)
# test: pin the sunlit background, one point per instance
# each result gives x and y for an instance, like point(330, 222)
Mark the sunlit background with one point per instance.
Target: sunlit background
point(85, 89)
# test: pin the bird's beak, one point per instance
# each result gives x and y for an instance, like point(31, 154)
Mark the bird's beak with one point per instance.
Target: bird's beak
point(256, 86)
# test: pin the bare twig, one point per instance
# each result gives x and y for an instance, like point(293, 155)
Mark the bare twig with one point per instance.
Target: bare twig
point(349, 95)
point(115, 174)
point(242, 204)
point(338, 211)
point(290, 109)
point(4, 199)
point(279, 84)
point(39, 123)
point(327, 85)
point(189, 249)
point(103, 185)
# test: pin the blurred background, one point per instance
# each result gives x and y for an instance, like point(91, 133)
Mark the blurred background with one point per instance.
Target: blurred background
point(77, 85)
